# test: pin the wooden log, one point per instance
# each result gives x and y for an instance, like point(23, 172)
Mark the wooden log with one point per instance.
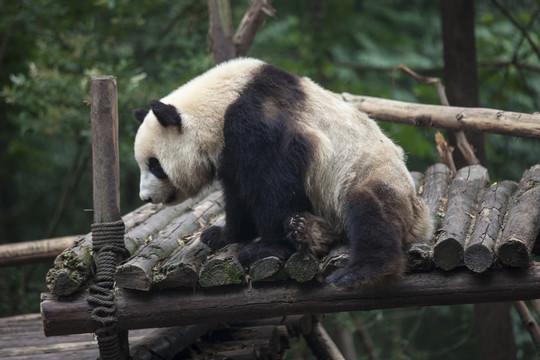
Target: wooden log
point(270, 268)
point(106, 190)
point(322, 345)
point(448, 117)
point(184, 266)
point(35, 251)
point(467, 186)
point(73, 267)
point(266, 337)
point(480, 250)
point(434, 191)
point(523, 222)
point(336, 258)
point(137, 309)
point(105, 158)
point(417, 179)
point(296, 325)
point(166, 343)
point(137, 272)
point(302, 268)
point(223, 268)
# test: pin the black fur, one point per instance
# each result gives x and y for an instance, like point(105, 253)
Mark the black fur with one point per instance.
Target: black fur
point(263, 165)
point(376, 253)
point(166, 114)
point(155, 168)
point(140, 114)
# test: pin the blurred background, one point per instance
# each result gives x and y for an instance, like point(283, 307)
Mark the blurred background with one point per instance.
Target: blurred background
point(49, 49)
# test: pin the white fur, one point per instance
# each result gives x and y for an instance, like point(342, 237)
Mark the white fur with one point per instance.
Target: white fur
point(350, 148)
point(187, 158)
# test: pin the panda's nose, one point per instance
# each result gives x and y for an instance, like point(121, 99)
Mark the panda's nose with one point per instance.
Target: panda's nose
point(148, 199)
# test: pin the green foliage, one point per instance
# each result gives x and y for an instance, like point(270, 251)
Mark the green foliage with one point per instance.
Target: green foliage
point(54, 47)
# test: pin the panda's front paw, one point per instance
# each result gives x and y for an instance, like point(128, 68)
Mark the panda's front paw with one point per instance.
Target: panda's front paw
point(214, 237)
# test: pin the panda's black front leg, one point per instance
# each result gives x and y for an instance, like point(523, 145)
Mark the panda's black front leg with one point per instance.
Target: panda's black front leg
point(239, 226)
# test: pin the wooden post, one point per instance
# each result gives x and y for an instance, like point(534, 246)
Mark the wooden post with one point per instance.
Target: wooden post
point(106, 169)
point(105, 161)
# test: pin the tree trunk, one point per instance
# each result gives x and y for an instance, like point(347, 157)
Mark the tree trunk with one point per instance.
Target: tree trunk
point(461, 80)
point(462, 90)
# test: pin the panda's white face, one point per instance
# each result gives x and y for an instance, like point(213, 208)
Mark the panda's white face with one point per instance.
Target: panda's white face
point(155, 185)
point(174, 165)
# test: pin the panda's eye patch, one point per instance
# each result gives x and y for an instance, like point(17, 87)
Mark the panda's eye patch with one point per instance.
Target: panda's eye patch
point(155, 168)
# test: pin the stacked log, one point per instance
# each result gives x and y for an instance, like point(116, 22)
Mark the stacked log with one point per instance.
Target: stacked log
point(480, 251)
point(465, 190)
point(137, 272)
point(523, 222)
point(476, 225)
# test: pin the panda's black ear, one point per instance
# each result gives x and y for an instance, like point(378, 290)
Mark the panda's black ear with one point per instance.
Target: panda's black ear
point(140, 114)
point(166, 114)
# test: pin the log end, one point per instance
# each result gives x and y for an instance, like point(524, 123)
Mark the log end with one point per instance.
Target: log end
point(269, 268)
point(301, 267)
point(478, 258)
point(514, 253)
point(448, 254)
point(130, 276)
point(337, 258)
point(218, 272)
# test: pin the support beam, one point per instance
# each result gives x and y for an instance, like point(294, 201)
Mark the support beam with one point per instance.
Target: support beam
point(62, 316)
point(448, 117)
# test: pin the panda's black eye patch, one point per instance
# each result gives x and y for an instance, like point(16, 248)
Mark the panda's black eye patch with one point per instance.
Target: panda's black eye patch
point(155, 168)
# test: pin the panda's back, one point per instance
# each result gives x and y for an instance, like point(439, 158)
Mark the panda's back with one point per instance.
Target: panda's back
point(349, 149)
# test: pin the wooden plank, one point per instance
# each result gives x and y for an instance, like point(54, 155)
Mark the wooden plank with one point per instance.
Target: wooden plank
point(183, 306)
point(22, 337)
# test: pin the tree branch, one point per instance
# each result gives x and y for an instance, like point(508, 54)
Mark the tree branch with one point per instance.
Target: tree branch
point(250, 24)
point(463, 144)
point(524, 31)
point(448, 117)
point(529, 323)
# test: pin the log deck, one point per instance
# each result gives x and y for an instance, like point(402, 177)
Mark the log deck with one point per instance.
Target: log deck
point(185, 283)
point(173, 307)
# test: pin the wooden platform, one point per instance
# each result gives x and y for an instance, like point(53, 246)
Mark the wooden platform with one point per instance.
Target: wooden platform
point(480, 252)
point(22, 337)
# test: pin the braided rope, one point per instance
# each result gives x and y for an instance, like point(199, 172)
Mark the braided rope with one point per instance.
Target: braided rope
point(107, 245)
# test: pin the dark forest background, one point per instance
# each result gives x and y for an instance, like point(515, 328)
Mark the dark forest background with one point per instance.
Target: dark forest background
point(49, 49)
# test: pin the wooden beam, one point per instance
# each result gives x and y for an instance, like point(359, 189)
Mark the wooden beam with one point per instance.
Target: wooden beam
point(174, 307)
point(34, 251)
point(448, 117)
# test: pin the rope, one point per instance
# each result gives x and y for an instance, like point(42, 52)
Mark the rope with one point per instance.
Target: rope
point(107, 245)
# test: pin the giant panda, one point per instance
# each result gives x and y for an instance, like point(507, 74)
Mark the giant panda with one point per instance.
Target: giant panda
point(300, 169)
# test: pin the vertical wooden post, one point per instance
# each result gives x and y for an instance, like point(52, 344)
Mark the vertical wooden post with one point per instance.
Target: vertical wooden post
point(106, 169)
point(105, 161)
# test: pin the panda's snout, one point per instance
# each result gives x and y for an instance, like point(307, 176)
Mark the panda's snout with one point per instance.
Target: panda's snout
point(148, 199)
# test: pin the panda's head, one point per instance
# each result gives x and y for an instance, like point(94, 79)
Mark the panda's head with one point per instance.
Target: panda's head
point(174, 166)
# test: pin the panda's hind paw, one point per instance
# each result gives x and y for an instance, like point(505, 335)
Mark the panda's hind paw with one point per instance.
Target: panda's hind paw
point(310, 234)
